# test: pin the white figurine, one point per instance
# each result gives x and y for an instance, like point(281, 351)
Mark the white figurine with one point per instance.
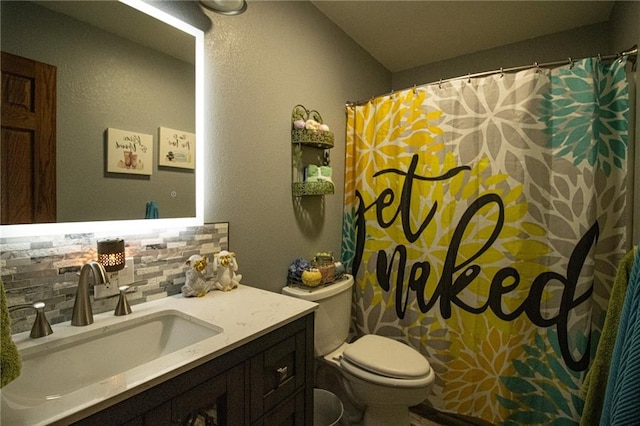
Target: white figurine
point(196, 284)
point(226, 265)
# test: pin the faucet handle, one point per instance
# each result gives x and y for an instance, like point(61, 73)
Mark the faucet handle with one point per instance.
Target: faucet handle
point(123, 308)
point(41, 326)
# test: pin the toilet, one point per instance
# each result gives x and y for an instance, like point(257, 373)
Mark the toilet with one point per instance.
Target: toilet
point(381, 374)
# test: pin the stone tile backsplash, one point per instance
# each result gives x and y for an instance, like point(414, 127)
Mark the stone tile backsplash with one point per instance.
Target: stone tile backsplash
point(45, 268)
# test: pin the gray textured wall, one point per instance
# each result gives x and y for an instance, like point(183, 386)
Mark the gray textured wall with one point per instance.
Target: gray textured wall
point(259, 66)
point(592, 39)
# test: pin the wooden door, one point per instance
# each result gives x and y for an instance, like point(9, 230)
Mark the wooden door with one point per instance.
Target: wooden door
point(28, 141)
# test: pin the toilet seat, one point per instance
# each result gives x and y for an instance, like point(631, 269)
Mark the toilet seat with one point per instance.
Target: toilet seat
point(387, 362)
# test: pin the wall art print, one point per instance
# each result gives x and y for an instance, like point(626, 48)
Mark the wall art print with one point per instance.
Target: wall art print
point(484, 221)
point(177, 148)
point(129, 152)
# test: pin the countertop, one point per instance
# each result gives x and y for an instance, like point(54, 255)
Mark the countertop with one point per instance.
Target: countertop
point(244, 314)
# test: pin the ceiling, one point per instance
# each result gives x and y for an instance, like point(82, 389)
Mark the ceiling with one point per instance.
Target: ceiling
point(406, 34)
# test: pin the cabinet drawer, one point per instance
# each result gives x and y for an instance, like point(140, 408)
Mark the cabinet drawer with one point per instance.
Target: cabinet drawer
point(204, 398)
point(217, 401)
point(276, 373)
point(288, 413)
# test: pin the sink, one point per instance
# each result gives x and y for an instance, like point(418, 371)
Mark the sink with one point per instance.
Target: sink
point(54, 369)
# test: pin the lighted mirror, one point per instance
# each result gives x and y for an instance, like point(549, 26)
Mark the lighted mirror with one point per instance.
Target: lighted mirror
point(129, 79)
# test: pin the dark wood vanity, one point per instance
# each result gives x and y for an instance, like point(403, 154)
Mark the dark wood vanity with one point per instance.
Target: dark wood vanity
point(267, 381)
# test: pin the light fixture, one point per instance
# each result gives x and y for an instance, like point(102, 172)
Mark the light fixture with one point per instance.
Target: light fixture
point(225, 7)
point(111, 254)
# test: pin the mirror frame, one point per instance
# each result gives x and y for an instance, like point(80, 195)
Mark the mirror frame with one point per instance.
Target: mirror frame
point(123, 227)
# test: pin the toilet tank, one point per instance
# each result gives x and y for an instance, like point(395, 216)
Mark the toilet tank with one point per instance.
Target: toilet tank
point(333, 315)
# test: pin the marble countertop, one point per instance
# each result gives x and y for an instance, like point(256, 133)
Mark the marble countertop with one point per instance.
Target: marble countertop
point(244, 314)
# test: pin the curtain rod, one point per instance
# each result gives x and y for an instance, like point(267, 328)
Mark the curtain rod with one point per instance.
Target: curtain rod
point(631, 53)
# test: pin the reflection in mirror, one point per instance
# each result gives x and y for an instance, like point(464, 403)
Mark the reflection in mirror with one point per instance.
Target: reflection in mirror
point(118, 80)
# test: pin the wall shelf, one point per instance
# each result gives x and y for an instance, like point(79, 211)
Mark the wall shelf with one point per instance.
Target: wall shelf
point(309, 146)
point(300, 189)
point(314, 138)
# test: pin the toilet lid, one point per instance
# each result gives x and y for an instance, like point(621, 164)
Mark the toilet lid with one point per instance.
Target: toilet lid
point(387, 357)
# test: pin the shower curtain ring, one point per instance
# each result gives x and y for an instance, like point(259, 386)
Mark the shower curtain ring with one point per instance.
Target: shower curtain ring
point(537, 65)
point(570, 63)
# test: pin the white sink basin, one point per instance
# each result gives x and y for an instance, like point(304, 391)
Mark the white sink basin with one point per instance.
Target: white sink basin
point(51, 371)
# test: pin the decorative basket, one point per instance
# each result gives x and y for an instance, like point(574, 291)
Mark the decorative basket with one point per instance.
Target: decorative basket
point(325, 281)
point(319, 138)
point(324, 271)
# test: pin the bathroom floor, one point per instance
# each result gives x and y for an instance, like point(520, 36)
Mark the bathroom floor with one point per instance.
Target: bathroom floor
point(425, 415)
point(416, 420)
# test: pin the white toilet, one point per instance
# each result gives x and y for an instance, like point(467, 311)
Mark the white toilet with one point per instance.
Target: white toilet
point(384, 375)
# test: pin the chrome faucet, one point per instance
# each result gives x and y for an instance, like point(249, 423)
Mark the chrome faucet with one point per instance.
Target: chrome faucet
point(41, 326)
point(82, 314)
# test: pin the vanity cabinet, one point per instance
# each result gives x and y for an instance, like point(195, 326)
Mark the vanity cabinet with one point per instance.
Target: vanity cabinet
point(267, 381)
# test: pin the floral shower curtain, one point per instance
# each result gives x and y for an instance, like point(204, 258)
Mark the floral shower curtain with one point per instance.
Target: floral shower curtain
point(484, 221)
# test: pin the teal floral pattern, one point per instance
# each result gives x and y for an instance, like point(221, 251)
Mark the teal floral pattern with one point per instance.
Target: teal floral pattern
point(543, 391)
point(586, 114)
point(348, 244)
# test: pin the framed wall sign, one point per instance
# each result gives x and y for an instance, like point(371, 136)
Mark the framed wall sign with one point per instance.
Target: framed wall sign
point(129, 152)
point(176, 148)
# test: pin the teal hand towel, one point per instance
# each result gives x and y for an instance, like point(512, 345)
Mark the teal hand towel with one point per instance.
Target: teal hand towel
point(10, 361)
point(152, 210)
point(621, 403)
point(596, 380)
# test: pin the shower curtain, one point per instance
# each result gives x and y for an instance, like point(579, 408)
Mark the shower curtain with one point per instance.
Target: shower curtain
point(484, 220)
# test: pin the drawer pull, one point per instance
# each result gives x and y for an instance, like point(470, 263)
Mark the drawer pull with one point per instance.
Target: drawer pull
point(283, 373)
